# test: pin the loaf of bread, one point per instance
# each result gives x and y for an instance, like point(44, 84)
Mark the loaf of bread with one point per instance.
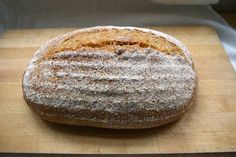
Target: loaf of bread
point(111, 77)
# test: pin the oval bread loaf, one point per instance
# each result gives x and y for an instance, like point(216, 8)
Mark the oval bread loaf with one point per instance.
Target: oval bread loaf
point(111, 77)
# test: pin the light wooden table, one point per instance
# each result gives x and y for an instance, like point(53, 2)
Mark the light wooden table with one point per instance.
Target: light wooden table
point(210, 125)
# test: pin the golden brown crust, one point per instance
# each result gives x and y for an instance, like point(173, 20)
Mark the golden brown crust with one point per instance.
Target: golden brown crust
point(113, 39)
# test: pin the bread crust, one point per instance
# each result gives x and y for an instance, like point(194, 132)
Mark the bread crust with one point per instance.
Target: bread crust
point(168, 117)
point(138, 119)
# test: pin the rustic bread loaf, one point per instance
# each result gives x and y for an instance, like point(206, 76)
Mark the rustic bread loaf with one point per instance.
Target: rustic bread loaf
point(111, 77)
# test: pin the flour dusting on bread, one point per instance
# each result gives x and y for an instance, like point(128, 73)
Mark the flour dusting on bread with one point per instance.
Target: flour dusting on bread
point(145, 83)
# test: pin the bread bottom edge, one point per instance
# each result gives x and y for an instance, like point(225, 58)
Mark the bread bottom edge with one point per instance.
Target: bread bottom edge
point(55, 118)
point(99, 124)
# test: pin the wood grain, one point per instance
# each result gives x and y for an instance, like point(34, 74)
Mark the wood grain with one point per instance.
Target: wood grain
point(209, 126)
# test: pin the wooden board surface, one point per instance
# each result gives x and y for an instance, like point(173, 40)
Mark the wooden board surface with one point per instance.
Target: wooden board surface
point(209, 126)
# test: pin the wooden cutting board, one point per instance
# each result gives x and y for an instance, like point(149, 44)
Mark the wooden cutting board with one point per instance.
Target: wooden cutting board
point(209, 126)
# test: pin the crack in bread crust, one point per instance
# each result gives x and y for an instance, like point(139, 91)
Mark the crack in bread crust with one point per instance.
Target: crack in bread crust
point(114, 39)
